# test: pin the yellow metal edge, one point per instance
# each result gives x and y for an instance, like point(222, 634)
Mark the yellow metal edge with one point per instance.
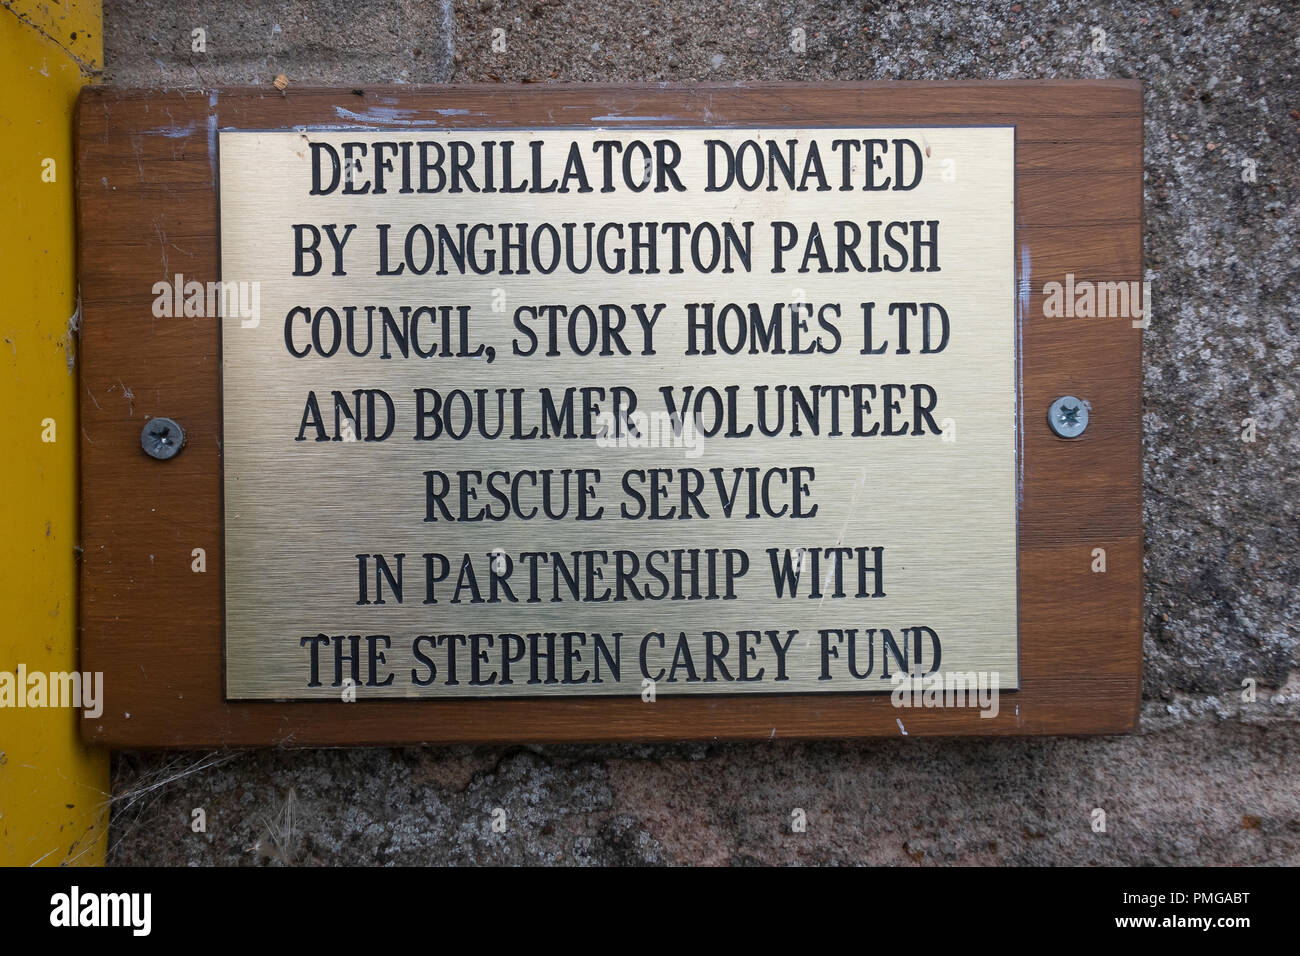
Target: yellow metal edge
point(54, 791)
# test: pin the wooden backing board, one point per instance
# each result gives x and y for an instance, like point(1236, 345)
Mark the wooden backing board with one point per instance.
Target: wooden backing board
point(147, 209)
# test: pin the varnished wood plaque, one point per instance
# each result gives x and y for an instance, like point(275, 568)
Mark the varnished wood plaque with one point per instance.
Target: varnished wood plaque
point(611, 413)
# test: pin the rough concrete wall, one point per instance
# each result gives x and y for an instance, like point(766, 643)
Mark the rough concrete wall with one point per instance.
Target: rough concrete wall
point(1209, 779)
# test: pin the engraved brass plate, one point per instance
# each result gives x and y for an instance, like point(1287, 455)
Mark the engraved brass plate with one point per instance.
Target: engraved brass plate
point(574, 411)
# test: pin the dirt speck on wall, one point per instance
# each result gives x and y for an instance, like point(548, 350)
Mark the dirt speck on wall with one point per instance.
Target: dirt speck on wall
point(1210, 778)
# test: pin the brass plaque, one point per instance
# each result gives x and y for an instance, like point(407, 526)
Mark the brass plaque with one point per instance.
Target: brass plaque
point(617, 412)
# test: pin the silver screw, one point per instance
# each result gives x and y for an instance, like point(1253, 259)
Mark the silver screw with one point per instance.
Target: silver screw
point(1068, 416)
point(162, 438)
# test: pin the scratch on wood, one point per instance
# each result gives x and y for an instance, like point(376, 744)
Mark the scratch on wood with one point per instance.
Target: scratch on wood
point(127, 394)
point(162, 241)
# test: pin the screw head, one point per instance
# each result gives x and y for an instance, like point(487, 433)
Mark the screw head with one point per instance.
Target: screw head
point(162, 438)
point(1068, 416)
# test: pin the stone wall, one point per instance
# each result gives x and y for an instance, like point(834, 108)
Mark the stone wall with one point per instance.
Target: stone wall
point(1209, 778)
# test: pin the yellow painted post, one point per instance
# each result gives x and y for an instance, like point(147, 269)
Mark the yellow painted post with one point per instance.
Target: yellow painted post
point(53, 791)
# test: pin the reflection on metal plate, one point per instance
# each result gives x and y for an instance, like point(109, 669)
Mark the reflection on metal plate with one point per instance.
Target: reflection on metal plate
point(644, 412)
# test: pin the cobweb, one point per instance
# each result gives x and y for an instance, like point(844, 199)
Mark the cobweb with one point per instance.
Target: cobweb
point(140, 784)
